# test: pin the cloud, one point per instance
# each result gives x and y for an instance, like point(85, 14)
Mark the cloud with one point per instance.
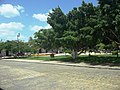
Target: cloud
point(11, 26)
point(40, 17)
point(6, 33)
point(9, 11)
point(37, 28)
point(9, 30)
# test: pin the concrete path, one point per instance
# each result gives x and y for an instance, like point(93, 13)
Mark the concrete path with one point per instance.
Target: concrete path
point(66, 64)
point(35, 75)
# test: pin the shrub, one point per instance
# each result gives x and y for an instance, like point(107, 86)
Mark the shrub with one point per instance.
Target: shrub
point(114, 52)
point(68, 51)
point(52, 55)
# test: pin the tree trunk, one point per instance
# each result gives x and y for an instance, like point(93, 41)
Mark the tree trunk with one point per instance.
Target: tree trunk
point(89, 53)
point(52, 55)
point(7, 53)
point(117, 51)
point(74, 54)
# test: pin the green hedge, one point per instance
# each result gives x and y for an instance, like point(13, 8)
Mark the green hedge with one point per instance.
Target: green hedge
point(114, 52)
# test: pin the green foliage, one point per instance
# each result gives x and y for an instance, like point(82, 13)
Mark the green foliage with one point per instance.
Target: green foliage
point(67, 51)
point(109, 20)
point(74, 30)
point(45, 38)
point(101, 46)
point(93, 60)
point(114, 52)
point(32, 44)
point(83, 27)
point(57, 19)
point(2, 45)
point(14, 46)
point(66, 58)
point(52, 55)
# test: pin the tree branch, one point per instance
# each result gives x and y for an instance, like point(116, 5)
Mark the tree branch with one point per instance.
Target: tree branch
point(113, 40)
point(115, 35)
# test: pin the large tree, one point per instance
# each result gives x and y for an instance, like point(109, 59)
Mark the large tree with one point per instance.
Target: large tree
point(14, 47)
point(75, 30)
point(45, 39)
point(33, 45)
point(110, 20)
point(58, 20)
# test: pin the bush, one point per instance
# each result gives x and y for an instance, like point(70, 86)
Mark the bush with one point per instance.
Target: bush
point(52, 55)
point(68, 51)
point(114, 52)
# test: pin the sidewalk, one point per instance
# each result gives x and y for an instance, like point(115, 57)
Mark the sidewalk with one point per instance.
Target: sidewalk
point(66, 64)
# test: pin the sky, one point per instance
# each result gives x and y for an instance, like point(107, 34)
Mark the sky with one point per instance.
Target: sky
point(28, 16)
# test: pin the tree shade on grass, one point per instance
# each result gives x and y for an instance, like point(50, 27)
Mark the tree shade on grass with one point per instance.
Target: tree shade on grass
point(93, 60)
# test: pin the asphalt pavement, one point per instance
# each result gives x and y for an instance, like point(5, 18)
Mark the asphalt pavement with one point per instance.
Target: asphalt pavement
point(44, 76)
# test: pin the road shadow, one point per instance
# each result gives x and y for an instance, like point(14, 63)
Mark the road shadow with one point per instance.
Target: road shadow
point(1, 89)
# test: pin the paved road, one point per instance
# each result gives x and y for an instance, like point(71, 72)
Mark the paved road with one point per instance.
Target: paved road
point(36, 76)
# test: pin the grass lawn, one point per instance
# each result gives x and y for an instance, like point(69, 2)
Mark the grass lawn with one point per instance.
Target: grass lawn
point(100, 59)
point(48, 58)
point(93, 60)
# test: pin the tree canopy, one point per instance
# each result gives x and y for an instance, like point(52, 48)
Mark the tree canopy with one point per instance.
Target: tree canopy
point(82, 28)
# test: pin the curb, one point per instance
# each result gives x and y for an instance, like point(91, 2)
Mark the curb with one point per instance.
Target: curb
point(62, 64)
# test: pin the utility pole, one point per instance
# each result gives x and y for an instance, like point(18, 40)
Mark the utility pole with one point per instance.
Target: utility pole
point(18, 35)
